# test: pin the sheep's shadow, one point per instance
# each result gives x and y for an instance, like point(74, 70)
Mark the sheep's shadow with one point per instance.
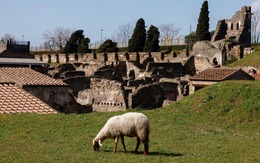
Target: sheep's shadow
point(150, 153)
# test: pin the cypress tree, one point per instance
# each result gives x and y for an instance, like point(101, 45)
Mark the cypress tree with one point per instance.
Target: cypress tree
point(152, 40)
point(202, 32)
point(137, 41)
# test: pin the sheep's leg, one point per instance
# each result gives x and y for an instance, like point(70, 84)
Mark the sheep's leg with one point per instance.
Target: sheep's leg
point(146, 147)
point(137, 145)
point(116, 141)
point(123, 142)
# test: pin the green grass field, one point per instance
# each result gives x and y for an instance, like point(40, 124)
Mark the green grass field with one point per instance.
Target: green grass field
point(219, 123)
point(250, 60)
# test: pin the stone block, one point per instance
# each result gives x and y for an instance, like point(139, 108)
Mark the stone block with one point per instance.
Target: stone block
point(38, 57)
point(123, 57)
point(63, 58)
point(46, 58)
point(143, 56)
point(54, 58)
point(133, 56)
point(112, 57)
point(101, 57)
point(157, 56)
point(72, 57)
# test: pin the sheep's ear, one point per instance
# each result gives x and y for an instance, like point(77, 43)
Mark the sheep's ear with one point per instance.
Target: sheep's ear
point(100, 143)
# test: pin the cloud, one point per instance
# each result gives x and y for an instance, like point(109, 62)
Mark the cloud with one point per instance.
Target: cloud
point(255, 6)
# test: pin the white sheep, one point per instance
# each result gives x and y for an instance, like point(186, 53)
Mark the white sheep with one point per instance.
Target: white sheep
point(129, 124)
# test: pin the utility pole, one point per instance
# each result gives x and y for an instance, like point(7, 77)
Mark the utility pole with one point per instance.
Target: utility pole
point(101, 36)
point(190, 39)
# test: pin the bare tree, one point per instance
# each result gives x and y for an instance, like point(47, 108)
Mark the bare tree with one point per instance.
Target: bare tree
point(56, 38)
point(168, 33)
point(123, 34)
point(7, 36)
point(255, 26)
point(49, 38)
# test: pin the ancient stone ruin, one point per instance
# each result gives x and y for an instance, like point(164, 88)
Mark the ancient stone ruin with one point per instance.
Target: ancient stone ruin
point(148, 80)
point(232, 37)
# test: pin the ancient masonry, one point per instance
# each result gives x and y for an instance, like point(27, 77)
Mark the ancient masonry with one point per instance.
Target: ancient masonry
point(148, 80)
point(104, 95)
point(232, 37)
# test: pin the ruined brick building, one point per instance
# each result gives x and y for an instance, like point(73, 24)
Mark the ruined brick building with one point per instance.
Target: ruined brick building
point(232, 37)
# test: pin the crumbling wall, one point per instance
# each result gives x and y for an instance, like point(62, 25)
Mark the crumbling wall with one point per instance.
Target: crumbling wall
point(104, 95)
point(58, 98)
point(238, 28)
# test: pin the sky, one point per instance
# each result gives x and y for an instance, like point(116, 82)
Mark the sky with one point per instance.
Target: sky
point(31, 18)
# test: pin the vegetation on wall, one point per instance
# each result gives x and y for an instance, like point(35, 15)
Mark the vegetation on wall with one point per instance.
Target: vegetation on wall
point(202, 32)
point(137, 41)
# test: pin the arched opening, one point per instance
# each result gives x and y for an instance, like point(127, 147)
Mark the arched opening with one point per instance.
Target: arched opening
point(231, 26)
point(215, 62)
point(237, 26)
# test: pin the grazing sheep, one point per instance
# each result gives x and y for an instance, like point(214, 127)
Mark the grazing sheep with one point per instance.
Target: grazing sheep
point(129, 124)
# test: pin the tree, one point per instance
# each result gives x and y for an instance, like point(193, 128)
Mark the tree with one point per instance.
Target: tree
point(202, 32)
point(137, 41)
point(152, 40)
point(74, 42)
point(108, 46)
point(56, 38)
point(255, 25)
point(123, 34)
point(8, 36)
point(168, 32)
point(84, 46)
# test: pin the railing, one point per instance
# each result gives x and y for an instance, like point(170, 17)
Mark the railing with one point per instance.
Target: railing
point(168, 42)
point(14, 42)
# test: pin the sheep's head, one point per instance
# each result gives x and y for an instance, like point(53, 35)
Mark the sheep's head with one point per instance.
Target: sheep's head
point(97, 144)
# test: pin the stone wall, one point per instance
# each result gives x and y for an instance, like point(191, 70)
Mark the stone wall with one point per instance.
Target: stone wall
point(100, 57)
point(239, 28)
point(104, 95)
point(58, 98)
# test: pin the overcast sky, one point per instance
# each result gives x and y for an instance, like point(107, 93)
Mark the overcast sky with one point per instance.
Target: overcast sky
point(31, 18)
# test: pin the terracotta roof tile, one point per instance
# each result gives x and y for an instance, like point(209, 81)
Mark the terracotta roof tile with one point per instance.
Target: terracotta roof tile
point(216, 74)
point(9, 102)
point(26, 76)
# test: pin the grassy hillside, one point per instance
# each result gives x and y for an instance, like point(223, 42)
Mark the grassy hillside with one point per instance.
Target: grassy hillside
point(250, 60)
point(219, 123)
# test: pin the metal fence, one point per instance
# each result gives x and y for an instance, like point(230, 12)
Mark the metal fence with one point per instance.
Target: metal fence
point(165, 42)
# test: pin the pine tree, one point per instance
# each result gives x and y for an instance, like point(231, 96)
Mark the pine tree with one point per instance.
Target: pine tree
point(108, 46)
point(152, 40)
point(74, 42)
point(84, 47)
point(202, 32)
point(137, 41)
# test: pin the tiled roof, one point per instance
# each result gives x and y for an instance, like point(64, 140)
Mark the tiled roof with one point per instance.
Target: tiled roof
point(256, 76)
point(26, 76)
point(16, 100)
point(216, 74)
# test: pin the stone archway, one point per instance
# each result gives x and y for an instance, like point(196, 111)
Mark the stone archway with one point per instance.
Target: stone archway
point(215, 61)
